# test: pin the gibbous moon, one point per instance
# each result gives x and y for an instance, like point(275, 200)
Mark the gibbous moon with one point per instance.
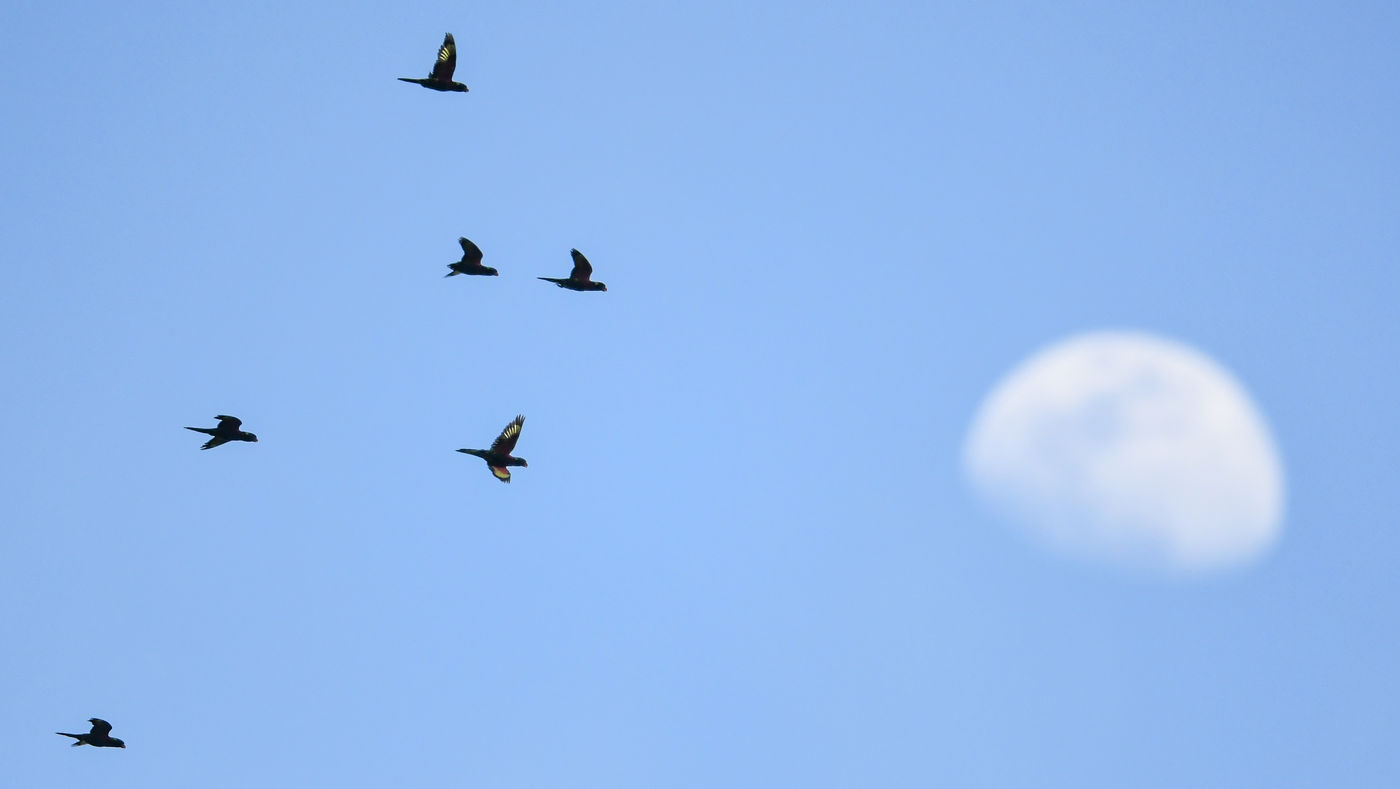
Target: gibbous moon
point(1129, 448)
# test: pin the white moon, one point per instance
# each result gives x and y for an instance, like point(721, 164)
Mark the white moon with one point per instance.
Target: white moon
point(1129, 448)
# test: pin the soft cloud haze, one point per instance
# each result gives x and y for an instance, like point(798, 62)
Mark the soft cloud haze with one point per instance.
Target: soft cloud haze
point(1130, 447)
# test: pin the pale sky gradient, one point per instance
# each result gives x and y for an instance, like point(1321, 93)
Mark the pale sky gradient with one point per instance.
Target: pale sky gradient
point(743, 553)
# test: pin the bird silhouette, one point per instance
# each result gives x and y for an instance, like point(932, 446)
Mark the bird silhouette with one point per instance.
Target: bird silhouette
point(100, 736)
point(470, 262)
point(498, 457)
point(440, 78)
point(580, 277)
point(227, 430)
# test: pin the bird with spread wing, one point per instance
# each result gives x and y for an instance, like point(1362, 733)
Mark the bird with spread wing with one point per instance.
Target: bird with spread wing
point(471, 261)
point(440, 78)
point(498, 457)
point(228, 429)
point(581, 278)
point(100, 736)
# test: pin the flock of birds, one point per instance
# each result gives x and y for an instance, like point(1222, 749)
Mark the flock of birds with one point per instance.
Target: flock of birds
point(580, 278)
point(498, 458)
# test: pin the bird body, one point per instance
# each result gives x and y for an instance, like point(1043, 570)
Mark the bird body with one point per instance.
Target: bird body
point(227, 430)
point(440, 78)
point(471, 261)
point(498, 457)
point(99, 737)
point(581, 278)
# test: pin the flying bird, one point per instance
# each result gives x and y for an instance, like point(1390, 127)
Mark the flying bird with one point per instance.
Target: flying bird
point(470, 262)
point(440, 78)
point(227, 430)
point(498, 457)
point(580, 277)
point(100, 736)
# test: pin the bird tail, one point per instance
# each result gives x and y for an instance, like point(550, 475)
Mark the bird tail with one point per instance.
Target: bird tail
point(481, 453)
point(559, 282)
point(74, 736)
point(208, 431)
point(452, 273)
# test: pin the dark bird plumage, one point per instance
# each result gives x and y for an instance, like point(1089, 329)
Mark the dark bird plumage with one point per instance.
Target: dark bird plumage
point(440, 78)
point(227, 430)
point(580, 278)
point(100, 736)
point(470, 262)
point(498, 457)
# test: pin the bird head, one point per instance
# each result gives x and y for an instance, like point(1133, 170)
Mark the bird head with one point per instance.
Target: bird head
point(523, 463)
point(251, 437)
point(118, 743)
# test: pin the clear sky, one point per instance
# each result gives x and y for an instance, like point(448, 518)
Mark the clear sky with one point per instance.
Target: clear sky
point(744, 552)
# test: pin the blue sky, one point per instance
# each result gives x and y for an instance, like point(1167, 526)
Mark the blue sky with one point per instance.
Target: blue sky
point(743, 553)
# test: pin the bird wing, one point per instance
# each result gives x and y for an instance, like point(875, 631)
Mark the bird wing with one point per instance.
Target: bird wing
point(583, 270)
point(446, 60)
point(505, 442)
point(471, 253)
point(100, 727)
point(502, 473)
point(227, 422)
